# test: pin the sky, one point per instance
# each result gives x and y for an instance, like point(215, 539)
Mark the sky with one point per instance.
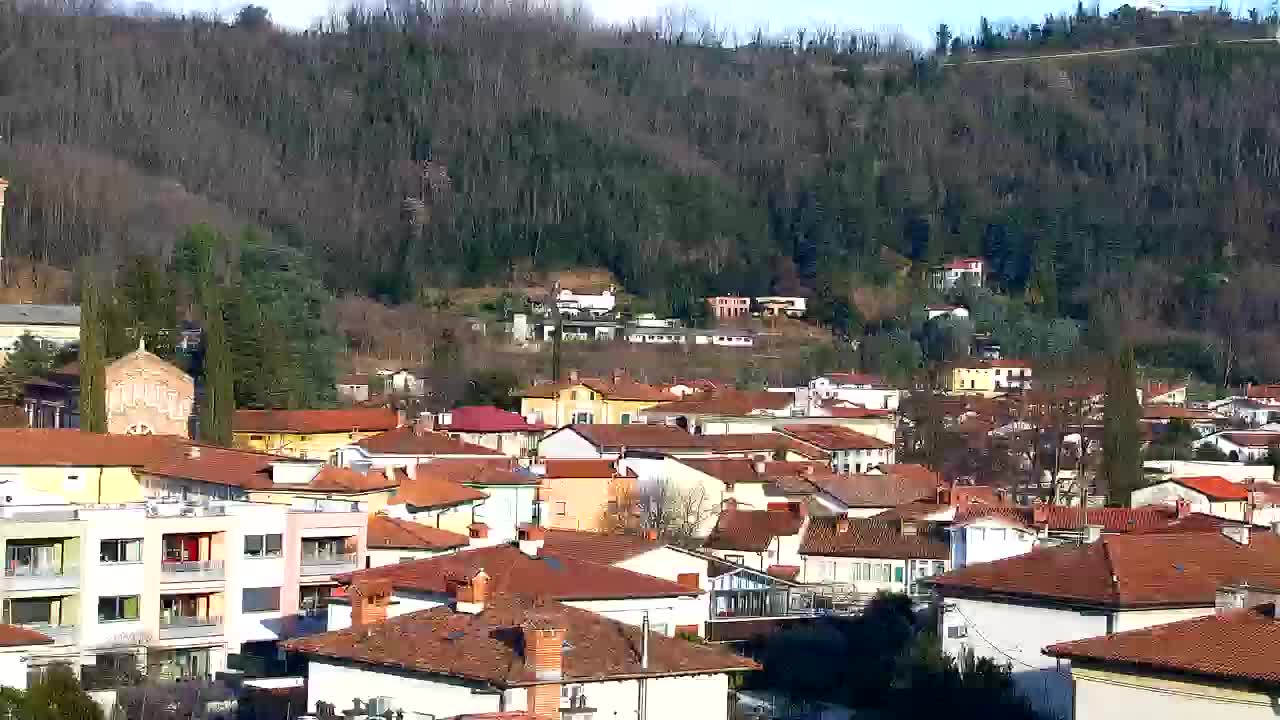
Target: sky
point(917, 19)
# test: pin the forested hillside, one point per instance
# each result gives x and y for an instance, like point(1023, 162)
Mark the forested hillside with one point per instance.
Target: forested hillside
point(438, 148)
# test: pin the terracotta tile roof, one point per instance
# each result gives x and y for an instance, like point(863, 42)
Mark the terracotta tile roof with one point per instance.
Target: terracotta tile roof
point(785, 572)
point(1240, 645)
point(729, 471)
point(875, 538)
point(427, 489)
point(1057, 517)
point(912, 471)
point(250, 470)
point(656, 437)
point(751, 530)
point(601, 548)
point(387, 532)
point(314, 421)
point(408, 441)
point(17, 636)
point(875, 490)
point(727, 402)
point(760, 442)
point(1169, 412)
point(834, 437)
point(1149, 570)
point(1199, 522)
point(856, 378)
point(476, 471)
point(46, 447)
point(486, 646)
point(622, 388)
point(353, 379)
point(581, 469)
point(336, 479)
point(559, 577)
point(1213, 487)
point(1251, 439)
point(486, 419)
point(1265, 392)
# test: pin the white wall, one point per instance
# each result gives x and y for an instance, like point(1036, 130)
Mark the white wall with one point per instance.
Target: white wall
point(1107, 695)
point(982, 542)
point(13, 668)
point(339, 684)
point(505, 509)
point(116, 579)
point(668, 564)
point(691, 610)
point(1138, 619)
point(1015, 635)
point(567, 444)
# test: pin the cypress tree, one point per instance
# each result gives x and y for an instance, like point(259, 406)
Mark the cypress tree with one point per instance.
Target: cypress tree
point(1121, 471)
point(93, 366)
point(219, 392)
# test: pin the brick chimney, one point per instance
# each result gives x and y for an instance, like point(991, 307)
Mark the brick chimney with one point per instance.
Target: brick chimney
point(618, 375)
point(573, 376)
point(369, 601)
point(1039, 514)
point(1182, 507)
point(759, 465)
point(842, 524)
point(470, 593)
point(544, 654)
point(530, 539)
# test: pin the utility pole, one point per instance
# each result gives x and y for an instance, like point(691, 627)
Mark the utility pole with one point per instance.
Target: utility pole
point(4, 185)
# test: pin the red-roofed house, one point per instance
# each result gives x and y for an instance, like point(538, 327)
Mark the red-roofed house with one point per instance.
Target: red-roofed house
point(1210, 495)
point(308, 433)
point(864, 389)
point(850, 450)
point(584, 494)
point(507, 432)
point(1009, 610)
point(16, 643)
point(1242, 445)
point(394, 540)
point(1225, 665)
point(957, 273)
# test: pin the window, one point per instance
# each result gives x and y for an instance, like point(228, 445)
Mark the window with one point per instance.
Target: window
point(256, 437)
point(582, 418)
point(995, 534)
point(120, 551)
point(897, 574)
point(625, 419)
point(939, 567)
point(407, 558)
point(260, 599)
point(260, 546)
point(561, 509)
point(304, 438)
point(955, 632)
point(118, 609)
point(575, 394)
point(315, 598)
point(733, 559)
point(73, 482)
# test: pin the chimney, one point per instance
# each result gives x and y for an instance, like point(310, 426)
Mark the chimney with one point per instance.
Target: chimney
point(1239, 534)
point(652, 535)
point(908, 528)
point(809, 469)
point(1092, 533)
point(544, 652)
point(573, 376)
point(1182, 507)
point(193, 451)
point(478, 530)
point(842, 524)
point(469, 593)
point(531, 538)
point(369, 601)
point(390, 472)
point(618, 374)
point(759, 466)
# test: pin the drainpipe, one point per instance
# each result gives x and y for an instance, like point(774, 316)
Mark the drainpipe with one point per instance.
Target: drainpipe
point(642, 706)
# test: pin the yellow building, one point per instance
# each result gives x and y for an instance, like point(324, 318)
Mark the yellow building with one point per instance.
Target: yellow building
point(39, 467)
point(308, 434)
point(57, 325)
point(989, 377)
point(589, 401)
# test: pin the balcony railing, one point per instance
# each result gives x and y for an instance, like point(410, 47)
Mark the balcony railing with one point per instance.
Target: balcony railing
point(192, 571)
point(61, 634)
point(40, 578)
point(328, 563)
point(174, 627)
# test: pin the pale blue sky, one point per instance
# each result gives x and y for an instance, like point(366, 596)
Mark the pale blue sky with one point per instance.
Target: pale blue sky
point(916, 19)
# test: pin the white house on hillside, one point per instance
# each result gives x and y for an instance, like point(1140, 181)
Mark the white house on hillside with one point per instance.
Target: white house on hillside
point(1207, 495)
point(1242, 445)
point(866, 390)
point(959, 272)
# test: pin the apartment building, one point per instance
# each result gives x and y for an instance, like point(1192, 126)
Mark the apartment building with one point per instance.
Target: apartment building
point(171, 585)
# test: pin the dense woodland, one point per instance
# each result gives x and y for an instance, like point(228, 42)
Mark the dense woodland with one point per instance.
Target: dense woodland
point(437, 147)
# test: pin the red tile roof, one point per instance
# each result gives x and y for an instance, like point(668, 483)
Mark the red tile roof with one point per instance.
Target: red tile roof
point(601, 548)
point(1199, 522)
point(476, 471)
point(252, 470)
point(1252, 439)
point(727, 402)
point(834, 437)
point(336, 479)
point(760, 442)
point(556, 469)
point(729, 471)
point(1169, 412)
point(751, 530)
point(559, 577)
point(1213, 487)
point(857, 378)
point(427, 489)
point(1057, 517)
point(912, 471)
point(409, 441)
point(1127, 571)
point(785, 572)
point(489, 419)
point(314, 421)
point(70, 448)
point(875, 538)
point(353, 379)
point(656, 437)
point(1265, 392)
point(621, 388)
point(485, 646)
point(875, 490)
point(1239, 645)
point(387, 532)
point(18, 636)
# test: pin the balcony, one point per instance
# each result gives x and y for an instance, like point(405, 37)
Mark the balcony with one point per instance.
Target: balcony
point(40, 578)
point(177, 627)
point(328, 563)
point(61, 634)
point(192, 571)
